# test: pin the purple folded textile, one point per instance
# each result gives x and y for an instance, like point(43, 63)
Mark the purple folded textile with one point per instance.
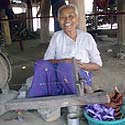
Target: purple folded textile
point(54, 79)
point(44, 77)
point(100, 112)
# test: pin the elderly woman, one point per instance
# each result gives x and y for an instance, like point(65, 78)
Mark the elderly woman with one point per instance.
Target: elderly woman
point(54, 74)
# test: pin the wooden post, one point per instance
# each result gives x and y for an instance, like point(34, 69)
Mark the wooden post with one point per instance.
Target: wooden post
point(6, 30)
point(121, 23)
point(95, 17)
point(29, 16)
point(44, 31)
point(119, 50)
point(81, 10)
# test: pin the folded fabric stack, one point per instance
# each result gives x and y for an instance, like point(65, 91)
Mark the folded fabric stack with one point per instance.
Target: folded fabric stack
point(108, 111)
point(100, 112)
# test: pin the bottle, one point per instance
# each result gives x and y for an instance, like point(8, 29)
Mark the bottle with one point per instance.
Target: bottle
point(19, 115)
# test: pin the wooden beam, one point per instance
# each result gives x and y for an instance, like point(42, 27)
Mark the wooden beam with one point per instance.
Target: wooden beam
point(56, 101)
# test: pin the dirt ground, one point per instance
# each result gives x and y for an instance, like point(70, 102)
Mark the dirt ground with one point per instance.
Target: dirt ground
point(111, 74)
point(113, 70)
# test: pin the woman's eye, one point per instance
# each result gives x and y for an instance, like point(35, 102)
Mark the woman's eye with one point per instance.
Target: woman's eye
point(70, 16)
point(67, 17)
point(62, 18)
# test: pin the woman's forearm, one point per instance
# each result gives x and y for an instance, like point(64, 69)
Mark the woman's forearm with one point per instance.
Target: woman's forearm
point(84, 66)
point(89, 66)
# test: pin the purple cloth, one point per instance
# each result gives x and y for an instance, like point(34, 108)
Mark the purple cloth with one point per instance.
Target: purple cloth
point(54, 79)
point(100, 112)
point(44, 77)
point(65, 76)
point(86, 76)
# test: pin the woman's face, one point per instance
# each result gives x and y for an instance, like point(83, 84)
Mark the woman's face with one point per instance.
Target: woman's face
point(68, 20)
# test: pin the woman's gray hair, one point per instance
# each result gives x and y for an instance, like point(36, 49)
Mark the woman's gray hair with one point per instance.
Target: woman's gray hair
point(67, 6)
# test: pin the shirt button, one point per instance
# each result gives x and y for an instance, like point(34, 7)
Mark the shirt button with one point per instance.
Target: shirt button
point(46, 69)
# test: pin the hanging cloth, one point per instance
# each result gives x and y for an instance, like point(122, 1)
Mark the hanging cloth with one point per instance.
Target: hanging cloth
point(101, 4)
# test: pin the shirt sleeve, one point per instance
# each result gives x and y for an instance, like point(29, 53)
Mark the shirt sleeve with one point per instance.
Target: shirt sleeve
point(94, 52)
point(51, 50)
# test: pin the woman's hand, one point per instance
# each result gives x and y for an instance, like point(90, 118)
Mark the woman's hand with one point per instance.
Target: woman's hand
point(89, 66)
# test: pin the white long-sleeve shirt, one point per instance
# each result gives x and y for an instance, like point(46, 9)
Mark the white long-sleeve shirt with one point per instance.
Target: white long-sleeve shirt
point(84, 48)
